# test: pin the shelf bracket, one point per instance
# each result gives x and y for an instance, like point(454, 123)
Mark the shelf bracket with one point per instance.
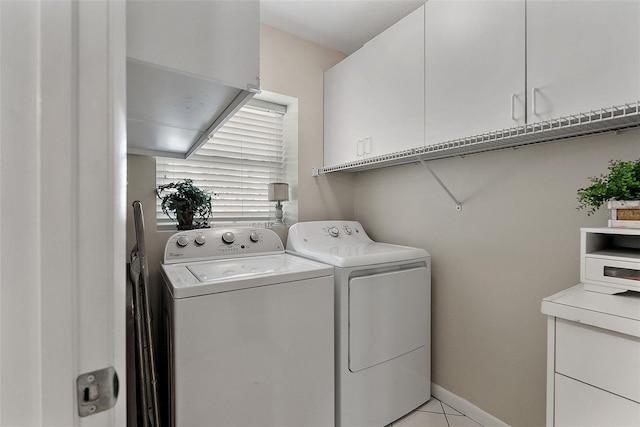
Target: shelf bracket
point(444, 187)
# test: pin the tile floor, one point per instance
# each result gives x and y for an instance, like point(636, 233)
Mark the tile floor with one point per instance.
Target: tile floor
point(435, 414)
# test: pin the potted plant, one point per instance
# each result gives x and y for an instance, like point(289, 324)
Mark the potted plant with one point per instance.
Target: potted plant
point(620, 187)
point(187, 202)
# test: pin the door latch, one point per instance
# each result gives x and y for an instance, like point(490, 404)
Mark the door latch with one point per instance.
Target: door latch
point(97, 391)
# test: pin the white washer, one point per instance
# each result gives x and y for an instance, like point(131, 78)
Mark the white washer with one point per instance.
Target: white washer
point(383, 320)
point(250, 331)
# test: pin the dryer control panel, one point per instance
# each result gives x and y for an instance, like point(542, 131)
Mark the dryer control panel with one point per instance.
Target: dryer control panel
point(329, 232)
point(345, 244)
point(216, 243)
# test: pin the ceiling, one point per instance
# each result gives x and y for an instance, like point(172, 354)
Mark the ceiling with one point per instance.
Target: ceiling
point(343, 25)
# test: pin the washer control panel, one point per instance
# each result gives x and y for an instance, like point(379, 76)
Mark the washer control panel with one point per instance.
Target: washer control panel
point(214, 243)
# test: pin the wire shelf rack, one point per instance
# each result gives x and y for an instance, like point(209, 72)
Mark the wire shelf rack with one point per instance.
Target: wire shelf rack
point(616, 118)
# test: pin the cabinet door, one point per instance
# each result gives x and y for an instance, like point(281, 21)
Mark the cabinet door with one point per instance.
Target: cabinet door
point(581, 56)
point(579, 404)
point(474, 68)
point(395, 87)
point(605, 359)
point(374, 99)
point(345, 109)
point(214, 39)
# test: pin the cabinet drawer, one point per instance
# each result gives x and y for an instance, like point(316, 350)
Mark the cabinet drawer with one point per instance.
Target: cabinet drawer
point(612, 271)
point(579, 404)
point(599, 357)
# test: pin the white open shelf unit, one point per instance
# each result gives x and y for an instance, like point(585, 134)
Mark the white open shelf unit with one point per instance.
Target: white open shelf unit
point(615, 118)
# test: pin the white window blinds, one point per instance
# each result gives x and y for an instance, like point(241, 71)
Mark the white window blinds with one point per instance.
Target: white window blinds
point(235, 165)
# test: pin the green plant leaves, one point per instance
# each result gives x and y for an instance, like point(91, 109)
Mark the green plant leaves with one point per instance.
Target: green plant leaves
point(184, 196)
point(621, 183)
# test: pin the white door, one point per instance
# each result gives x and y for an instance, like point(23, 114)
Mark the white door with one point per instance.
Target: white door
point(62, 208)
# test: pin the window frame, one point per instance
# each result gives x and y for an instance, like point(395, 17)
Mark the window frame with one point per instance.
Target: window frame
point(289, 172)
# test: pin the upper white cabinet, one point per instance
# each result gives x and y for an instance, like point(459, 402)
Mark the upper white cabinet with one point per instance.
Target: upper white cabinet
point(581, 56)
point(488, 66)
point(474, 67)
point(374, 99)
point(492, 65)
point(190, 65)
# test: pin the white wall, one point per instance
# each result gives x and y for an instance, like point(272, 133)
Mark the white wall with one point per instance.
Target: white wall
point(515, 241)
point(295, 67)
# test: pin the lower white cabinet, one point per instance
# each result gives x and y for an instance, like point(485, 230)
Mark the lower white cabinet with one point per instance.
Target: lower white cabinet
point(580, 404)
point(593, 359)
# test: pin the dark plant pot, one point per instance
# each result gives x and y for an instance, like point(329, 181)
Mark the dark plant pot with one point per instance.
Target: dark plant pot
point(185, 220)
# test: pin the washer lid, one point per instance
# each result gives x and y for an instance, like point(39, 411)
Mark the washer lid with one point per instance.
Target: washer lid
point(345, 244)
point(209, 277)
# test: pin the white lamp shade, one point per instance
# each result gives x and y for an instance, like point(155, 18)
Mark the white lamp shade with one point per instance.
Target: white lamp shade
point(278, 191)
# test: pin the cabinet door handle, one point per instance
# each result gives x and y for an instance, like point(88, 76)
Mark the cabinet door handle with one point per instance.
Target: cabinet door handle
point(513, 102)
point(360, 147)
point(533, 100)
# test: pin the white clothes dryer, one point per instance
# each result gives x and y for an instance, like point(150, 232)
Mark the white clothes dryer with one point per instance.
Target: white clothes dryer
point(383, 320)
point(250, 331)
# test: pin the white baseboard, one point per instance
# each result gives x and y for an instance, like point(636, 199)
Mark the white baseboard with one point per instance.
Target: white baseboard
point(466, 407)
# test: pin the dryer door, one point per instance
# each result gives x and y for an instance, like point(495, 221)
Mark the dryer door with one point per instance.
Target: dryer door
point(389, 315)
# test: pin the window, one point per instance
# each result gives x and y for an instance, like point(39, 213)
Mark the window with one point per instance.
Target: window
point(249, 151)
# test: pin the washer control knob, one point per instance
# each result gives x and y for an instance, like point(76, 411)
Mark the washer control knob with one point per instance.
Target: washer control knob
point(228, 237)
point(182, 241)
point(333, 232)
point(254, 236)
point(347, 230)
point(200, 240)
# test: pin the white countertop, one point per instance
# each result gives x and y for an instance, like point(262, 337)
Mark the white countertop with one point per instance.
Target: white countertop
point(618, 313)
